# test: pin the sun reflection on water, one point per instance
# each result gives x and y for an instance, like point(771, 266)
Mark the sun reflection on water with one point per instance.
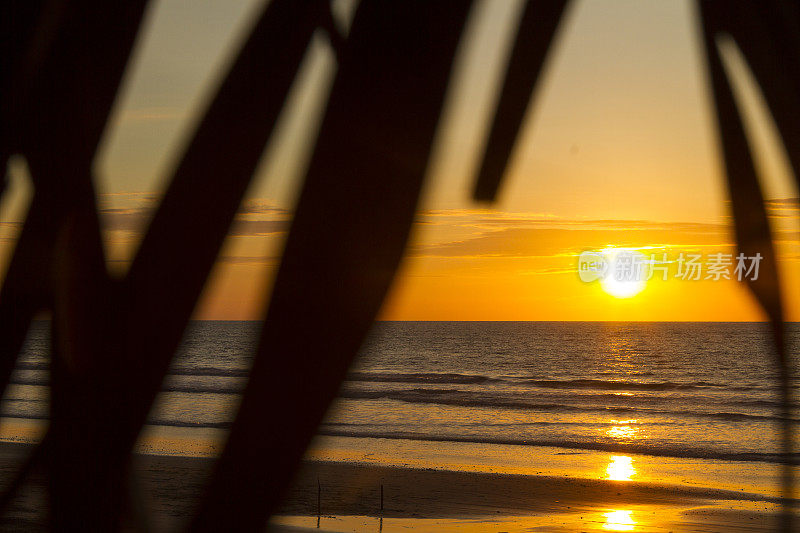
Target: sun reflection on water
point(622, 432)
point(619, 520)
point(620, 468)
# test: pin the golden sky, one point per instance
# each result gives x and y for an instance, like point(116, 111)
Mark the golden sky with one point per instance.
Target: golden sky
point(619, 150)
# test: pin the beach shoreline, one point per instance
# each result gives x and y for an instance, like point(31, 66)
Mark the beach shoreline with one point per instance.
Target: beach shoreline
point(442, 500)
point(433, 498)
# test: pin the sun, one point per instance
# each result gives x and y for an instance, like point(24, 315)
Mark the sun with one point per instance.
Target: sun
point(626, 274)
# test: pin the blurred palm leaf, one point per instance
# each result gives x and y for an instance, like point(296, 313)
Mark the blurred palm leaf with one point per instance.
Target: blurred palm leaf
point(348, 235)
point(751, 225)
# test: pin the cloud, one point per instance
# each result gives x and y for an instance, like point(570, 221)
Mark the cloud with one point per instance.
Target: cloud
point(479, 233)
point(483, 233)
point(783, 208)
point(256, 216)
point(251, 228)
point(131, 220)
point(777, 208)
point(521, 235)
point(249, 260)
point(488, 219)
point(260, 206)
point(783, 203)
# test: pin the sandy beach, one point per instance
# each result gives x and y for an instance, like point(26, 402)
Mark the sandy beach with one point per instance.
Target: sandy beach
point(427, 498)
point(474, 501)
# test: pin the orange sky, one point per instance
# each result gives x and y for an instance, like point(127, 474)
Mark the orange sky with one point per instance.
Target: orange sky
point(619, 151)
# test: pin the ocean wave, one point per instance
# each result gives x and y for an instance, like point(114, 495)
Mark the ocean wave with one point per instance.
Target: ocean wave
point(170, 385)
point(187, 424)
point(150, 422)
point(640, 449)
point(421, 378)
point(575, 384)
point(206, 388)
point(600, 384)
point(468, 399)
point(210, 371)
point(433, 377)
point(32, 365)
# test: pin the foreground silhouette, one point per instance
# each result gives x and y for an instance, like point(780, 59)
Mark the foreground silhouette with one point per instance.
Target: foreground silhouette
point(113, 338)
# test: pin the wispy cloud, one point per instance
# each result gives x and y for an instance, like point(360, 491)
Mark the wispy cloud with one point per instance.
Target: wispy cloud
point(261, 206)
point(256, 216)
point(251, 228)
point(249, 260)
point(476, 233)
point(486, 233)
point(555, 236)
point(783, 203)
point(131, 220)
point(493, 219)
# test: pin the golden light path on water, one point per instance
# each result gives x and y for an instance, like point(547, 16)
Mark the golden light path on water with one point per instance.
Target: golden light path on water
point(622, 432)
point(619, 520)
point(620, 468)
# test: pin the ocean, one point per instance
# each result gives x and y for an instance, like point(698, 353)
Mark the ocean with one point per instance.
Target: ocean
point(680, 390)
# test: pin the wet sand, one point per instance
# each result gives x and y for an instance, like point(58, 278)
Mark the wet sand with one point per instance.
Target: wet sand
point(425, 499)
point(428, 499)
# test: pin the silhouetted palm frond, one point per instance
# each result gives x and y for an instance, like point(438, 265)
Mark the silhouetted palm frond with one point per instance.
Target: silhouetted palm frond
point(535, 35)
point(751, 226)
point(348, 235)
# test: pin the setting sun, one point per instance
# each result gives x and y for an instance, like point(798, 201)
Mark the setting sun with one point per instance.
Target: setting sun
point(623, 279)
